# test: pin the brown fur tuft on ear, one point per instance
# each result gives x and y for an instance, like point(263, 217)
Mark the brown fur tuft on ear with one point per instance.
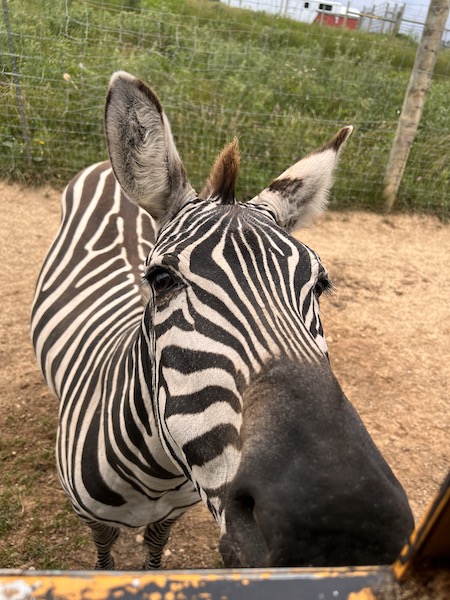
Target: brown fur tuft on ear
point(222, 179)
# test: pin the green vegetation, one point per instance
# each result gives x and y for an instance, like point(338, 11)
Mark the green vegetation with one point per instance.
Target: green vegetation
point(282, 87)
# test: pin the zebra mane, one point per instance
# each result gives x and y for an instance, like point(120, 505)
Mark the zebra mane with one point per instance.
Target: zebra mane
point(222, 179)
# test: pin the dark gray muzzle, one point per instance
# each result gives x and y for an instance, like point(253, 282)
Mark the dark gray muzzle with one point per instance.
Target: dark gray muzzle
point(312, 489)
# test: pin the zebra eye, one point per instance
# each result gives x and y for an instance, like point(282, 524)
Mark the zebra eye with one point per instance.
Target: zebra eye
point(323, 284)
point(161, 280)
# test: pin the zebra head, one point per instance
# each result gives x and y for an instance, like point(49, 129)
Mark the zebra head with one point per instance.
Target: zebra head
point(246, 402)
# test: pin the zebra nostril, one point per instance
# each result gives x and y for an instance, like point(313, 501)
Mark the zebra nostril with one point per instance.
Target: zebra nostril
point(241, 509)
point(243, 532)
point(246, 504)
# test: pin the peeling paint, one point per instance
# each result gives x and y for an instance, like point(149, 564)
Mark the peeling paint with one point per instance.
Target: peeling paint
point(245, 584)
point(17, 590)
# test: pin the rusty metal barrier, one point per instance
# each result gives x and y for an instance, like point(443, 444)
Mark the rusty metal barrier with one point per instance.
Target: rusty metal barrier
point(429, 544)
point(257, 584)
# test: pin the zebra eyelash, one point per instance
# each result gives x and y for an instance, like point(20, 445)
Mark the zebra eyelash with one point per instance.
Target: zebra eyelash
point(323, 285)
point(329, 288)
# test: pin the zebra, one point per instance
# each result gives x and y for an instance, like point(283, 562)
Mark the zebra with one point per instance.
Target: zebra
point(181, 333)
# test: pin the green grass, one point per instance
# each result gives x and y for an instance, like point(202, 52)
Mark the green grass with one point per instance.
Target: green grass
point(283, 87)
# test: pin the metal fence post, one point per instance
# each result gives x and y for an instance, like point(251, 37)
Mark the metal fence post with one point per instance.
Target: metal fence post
point(415, 97)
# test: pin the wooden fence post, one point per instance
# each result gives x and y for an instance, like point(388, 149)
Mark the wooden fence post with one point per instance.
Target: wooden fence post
point(416, 93)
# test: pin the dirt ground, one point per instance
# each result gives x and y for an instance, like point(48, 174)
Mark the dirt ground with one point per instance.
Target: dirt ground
point(387, 327)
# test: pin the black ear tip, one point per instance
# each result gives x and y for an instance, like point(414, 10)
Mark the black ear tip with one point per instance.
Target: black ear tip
point(342, 136)
point(338, 140)
point(348, 129)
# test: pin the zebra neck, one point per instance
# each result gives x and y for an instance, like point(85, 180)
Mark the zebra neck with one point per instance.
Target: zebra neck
point(130, 410)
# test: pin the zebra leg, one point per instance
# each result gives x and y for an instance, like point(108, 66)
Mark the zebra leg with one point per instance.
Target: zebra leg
point(155, 538)
point(104, 537)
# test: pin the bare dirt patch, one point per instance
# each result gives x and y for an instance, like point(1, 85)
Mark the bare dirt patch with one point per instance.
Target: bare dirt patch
point(387, 327)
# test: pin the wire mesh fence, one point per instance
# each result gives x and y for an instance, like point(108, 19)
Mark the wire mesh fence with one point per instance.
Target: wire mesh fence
point(281, 85)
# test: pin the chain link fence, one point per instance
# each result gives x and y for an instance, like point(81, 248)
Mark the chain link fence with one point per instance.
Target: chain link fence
point(282, 86)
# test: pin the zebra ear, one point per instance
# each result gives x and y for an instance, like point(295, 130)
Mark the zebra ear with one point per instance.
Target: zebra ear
point(141, 148)
point(301, 192)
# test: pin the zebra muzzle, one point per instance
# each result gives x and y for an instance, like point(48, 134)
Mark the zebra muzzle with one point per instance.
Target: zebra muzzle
point(311, 489)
